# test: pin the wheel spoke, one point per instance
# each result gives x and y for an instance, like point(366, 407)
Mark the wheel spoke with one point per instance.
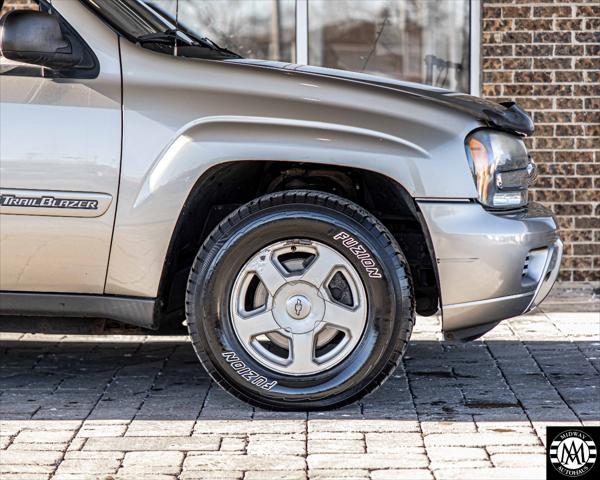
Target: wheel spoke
point(320, 269)
point(274, 299)
point(268, 273)
point(303, 353)
point(341, 316)
point(248, 327)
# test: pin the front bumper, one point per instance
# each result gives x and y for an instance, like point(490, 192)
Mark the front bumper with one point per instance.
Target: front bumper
point(490, 266)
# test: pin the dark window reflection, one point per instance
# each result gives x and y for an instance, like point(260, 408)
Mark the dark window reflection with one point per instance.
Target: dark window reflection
point(424, 41)
point(264, 29)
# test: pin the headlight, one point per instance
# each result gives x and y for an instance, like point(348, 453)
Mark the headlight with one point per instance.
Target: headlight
point(502, 168)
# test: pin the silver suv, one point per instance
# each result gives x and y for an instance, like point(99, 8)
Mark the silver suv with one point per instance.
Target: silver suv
point(297, 217)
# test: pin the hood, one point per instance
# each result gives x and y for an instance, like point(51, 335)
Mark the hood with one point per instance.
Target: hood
point(506, 116)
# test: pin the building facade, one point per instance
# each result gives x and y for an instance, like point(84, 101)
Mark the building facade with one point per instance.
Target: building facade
point(544, 54)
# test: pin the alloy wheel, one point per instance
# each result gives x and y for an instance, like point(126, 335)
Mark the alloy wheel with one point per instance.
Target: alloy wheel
point(298, 307)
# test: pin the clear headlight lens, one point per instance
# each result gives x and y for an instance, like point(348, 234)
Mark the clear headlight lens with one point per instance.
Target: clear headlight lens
point(502, 168)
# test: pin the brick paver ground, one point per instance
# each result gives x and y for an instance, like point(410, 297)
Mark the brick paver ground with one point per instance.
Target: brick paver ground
point(135, 407)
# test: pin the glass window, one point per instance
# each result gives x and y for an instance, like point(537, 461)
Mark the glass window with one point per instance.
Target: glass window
point(264, 29)
point(425, 41)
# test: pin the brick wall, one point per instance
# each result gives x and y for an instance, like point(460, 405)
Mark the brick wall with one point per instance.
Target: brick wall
point(546, 56)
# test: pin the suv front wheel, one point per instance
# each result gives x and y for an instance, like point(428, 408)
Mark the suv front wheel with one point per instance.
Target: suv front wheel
point(300, 300)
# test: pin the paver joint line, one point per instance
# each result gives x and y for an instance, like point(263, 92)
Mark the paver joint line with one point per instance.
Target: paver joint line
point(141, 407)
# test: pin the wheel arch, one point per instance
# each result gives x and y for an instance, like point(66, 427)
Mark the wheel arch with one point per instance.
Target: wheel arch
point(153, 196)
point(204, 143)
point(226, 186)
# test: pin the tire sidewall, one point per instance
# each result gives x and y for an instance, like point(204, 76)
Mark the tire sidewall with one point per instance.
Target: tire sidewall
point(234, 246)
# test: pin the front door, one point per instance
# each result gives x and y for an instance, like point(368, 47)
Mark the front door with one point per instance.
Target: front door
point(60, 148)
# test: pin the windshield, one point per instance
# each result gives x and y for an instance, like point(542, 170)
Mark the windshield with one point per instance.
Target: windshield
point(147, 24)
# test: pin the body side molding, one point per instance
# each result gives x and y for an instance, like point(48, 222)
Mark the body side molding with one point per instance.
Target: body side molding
point(131, 310)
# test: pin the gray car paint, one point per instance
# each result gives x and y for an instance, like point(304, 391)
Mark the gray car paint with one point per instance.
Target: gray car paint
point(505, 116)
point(481, 258)
point(58, 136)
point(199, 106)
point(182, 116)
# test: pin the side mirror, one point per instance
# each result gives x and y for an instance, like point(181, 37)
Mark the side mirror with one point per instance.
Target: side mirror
point(36, 38)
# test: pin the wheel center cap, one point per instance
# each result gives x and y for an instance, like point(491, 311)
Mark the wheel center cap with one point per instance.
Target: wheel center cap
point(298, 307)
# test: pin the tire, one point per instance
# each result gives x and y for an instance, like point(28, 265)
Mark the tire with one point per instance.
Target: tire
point(374, 290)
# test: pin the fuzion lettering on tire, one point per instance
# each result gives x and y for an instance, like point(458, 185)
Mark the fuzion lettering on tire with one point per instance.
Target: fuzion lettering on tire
point(359, 251)
point(246, 373)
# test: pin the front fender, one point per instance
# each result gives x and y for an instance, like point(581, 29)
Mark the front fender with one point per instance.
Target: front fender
point(206, 142)
point(146, 225)
point(183, 116)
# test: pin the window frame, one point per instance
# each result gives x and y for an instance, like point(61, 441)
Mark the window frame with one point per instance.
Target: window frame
point(475, 47)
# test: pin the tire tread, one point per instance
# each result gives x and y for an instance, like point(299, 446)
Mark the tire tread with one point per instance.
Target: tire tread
point(341, 205)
